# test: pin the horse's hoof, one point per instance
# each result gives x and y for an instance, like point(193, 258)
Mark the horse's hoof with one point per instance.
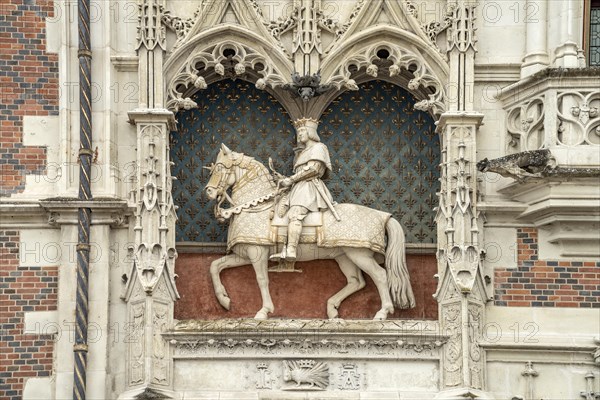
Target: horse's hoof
point(380, 316)
point(262, 315)
point(225, 302)
point(332, 314)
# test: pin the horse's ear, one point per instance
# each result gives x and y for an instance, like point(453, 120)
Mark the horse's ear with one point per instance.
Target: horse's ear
point(225, 149)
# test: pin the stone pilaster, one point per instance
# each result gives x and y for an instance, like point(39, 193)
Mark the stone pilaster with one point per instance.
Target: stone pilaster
point(151, 290)
point(461, 292)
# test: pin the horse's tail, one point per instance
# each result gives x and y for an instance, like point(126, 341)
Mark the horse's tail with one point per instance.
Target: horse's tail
point(395, 264)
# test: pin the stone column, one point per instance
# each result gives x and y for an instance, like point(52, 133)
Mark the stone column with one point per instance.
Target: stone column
point(536, 58)
point(460, 293)
point(566, 52)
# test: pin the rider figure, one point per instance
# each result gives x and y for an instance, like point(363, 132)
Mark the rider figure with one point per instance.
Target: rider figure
point(308, 192)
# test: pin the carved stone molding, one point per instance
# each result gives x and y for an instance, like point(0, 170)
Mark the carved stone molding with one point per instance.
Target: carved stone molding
point(306, 338)
point(109, 211)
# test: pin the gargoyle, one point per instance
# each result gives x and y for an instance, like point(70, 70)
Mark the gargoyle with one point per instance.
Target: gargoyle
point(527, 164)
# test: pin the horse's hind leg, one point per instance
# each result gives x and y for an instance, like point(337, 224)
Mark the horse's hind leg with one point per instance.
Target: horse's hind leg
point(363, 258)
point(218, 265)
point(355, 282)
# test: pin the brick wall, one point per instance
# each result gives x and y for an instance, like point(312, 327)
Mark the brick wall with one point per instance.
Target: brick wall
point(28, 86)
point(546, 283)
point(21, 290)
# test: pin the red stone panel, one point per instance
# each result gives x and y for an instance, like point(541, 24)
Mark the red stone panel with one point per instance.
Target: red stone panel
point(295, 295)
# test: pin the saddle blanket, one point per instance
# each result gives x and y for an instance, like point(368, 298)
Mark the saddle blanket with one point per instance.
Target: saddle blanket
point(359, 226)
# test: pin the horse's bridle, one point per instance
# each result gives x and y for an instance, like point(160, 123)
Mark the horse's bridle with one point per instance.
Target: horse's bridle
point(243, 162)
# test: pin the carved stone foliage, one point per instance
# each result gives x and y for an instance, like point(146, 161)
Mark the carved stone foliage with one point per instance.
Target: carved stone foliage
point(398, 61)
point(227, 59)
point(160, 351)
point(435, 28)
point(295, 339)
point(579, 118)
point(286, 347)
point(181, 26)
point(475, 329)
point(452, 321)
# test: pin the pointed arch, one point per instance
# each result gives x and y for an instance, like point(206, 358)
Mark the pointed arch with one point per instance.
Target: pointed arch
point(410, 62)
point(201, 61)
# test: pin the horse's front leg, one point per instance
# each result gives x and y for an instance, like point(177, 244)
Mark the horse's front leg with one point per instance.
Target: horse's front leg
point(259, 255)
point(218, 265)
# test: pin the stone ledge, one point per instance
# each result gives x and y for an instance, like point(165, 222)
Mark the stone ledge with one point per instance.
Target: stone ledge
point(332, 339)
point(305, 326)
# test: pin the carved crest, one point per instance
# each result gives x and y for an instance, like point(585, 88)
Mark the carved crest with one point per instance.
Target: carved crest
point(305, 375)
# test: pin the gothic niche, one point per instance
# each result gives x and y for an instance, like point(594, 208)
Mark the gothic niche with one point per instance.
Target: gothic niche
point(385, 155)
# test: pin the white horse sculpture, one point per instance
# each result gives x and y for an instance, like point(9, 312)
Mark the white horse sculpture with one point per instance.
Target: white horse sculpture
point(354, 242)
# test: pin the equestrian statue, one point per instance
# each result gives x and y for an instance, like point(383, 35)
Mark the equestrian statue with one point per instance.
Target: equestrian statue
point(274, 217)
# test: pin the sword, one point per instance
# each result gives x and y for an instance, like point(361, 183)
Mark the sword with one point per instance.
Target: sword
point(318, 184)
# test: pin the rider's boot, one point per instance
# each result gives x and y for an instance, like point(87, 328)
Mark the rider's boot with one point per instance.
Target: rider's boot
point(293, 237)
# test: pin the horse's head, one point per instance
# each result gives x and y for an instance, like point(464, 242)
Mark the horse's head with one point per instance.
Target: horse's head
point(222, 175)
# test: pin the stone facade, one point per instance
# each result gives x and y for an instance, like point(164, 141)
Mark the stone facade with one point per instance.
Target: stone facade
point(517, 249)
